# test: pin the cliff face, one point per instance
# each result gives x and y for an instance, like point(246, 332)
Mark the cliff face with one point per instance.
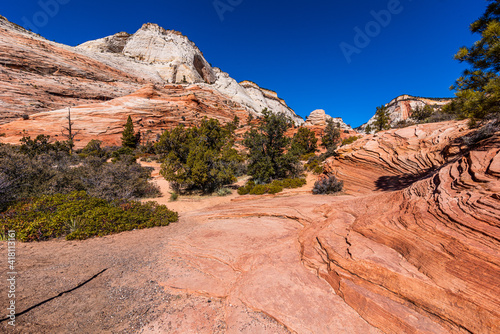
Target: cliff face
point(400, 108)
point(40, 76)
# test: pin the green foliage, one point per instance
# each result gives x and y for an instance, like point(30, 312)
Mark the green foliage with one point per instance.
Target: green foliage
point(478, 90)
point(349, 140)
point(421, 114)
point(80, 216)
point(174, 196)
point(129, 138)
point(41, 145)
point(224, 192)
point(368, 129)
point(328, 185)
point(245, 190)
point(267, 145)
point(304, 142)
point(93, 149)
point(199, 158)
point(271, 188)
point(331, 138)
point(259, 189)
point(381, 119)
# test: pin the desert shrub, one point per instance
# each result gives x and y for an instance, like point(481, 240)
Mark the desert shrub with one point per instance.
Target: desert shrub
point(349, 140)
point(80, 216)
point(224, 192)
point(328, 185)
point(52, 173)
point(93, 149)
point(271, 188)
point(174, 196)
point(245, 190)
point(259, 189)
point(484, 132)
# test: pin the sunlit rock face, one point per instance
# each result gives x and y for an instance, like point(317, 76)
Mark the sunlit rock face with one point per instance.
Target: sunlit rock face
point(400, 109)
point(319, 118)
point(41, 75)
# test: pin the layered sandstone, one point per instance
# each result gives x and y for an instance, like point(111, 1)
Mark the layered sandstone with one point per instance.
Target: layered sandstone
point(39, 75)
point(319, 118)
point(400, 109)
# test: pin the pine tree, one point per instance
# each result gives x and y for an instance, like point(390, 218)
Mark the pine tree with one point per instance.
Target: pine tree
point(331, 138)
point(478, 90)
point(381, 119)
point(129, 137)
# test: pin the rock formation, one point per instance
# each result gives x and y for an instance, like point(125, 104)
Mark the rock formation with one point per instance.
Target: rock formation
point(319, 117)
point(400, 108)
point(40, 75)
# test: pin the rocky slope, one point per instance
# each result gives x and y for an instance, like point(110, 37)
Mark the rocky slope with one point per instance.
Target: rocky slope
point(39, 75)
point(400, 108)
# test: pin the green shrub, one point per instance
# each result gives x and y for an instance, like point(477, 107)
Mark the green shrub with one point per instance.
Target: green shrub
point(259, 189)
point(274, 188)
point(80, 216)
point(224, 192)
point(174, 196)
point(349, 140)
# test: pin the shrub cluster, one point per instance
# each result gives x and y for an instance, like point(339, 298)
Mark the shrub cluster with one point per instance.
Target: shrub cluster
point(26, 172)
point(349, 140)
point(80, 216)
point(328, 185)
point(272, 188)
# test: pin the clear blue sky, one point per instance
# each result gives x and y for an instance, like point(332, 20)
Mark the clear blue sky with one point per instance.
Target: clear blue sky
point(292, 47)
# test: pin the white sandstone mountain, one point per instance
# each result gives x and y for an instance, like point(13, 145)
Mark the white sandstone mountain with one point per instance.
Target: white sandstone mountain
point(166, 56)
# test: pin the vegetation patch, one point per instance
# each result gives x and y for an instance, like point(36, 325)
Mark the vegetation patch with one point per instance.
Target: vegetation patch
point(328, 185)
point(78, 216)
point(274, 187)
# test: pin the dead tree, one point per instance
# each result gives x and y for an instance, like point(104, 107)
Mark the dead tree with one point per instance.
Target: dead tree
point(70, 134)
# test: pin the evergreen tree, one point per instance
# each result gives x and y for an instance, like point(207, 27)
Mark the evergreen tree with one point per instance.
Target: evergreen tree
point(129, 137)
point(304, 142)
point(381, 119)
point(478, 90)
point(267, 145)
point(199, 158)
point(331, 138)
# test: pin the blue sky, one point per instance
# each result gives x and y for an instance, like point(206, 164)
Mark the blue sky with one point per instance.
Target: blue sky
point(292, 47)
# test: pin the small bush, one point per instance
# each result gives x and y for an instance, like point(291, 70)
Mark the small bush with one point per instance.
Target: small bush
point(349, 140)
point(274, 188)
point(80, 216)
point(328, 185)
point(174, 196)
point(224, 192)
point(259, 189)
